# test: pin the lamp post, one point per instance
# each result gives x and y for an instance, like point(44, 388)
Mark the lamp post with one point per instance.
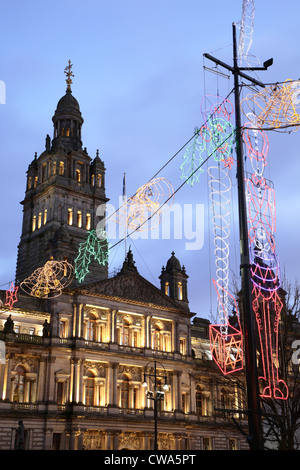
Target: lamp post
point(156, 394)
point(254, 413)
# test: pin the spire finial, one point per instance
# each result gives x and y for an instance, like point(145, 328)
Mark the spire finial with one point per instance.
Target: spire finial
point(69, 74)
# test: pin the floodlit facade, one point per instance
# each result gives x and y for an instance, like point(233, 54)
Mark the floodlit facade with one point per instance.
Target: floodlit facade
point(77, 369)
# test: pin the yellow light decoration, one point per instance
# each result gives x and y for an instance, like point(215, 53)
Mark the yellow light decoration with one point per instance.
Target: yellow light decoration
point(275, 107)
point(149, 202)
point(49, 280)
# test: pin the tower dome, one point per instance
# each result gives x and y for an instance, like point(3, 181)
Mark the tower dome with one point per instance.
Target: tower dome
point(173, 263)
point(67, 119)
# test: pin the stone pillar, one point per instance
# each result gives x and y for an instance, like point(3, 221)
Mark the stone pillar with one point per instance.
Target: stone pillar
point(8, 378)
point(41, 380)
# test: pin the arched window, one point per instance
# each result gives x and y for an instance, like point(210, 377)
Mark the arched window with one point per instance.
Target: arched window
point(179, 290)
point(91, 329)
point(45, 216)
point(79, 219)
point(99, 180)
point(34, 223)
point(88, 222)
point(199, 401)
point(19, 385)
point(61, 169)
point(125, 392)
point(167, 288)
point(70, 216)
point(90, 389)
point(29, 182)
point(93, 180)
point(40, 220)
point(78, 176)
point(35, 182)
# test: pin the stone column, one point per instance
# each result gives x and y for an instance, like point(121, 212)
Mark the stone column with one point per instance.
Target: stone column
point(8, 378)
point(41, 380)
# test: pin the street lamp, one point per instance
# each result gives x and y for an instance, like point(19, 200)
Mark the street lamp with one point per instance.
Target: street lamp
point(156, 394)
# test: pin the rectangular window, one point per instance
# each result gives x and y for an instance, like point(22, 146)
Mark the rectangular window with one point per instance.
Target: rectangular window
point(56, 441)
point(31, 331)
point(206, 443)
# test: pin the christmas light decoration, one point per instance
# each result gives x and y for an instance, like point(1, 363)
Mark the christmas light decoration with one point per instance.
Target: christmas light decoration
point(11, 296)
point(49, 280)
point(275, 107)
point(226, 340)
point(148, 204)
point(95, 247)
point(192, 158)
point(246, 31)
point(219, 134)
point(265, 269)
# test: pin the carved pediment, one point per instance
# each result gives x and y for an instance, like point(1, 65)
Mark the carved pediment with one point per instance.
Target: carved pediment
point(133, 287)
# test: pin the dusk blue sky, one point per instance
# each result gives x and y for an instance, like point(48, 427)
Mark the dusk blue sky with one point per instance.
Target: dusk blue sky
point(139, 80)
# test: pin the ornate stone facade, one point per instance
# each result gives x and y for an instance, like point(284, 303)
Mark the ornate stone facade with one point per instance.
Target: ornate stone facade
point(81, 386)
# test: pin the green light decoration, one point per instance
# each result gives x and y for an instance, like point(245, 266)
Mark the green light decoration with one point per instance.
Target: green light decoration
point(95, 247)
point(192, 158)
point(222, 138)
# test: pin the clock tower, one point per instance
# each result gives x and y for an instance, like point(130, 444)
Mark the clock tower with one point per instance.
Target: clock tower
point(64, 187)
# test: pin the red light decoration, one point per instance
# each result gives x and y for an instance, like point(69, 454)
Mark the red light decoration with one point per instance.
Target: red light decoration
point(265, 268)
point(11, 296)
point(226, 340)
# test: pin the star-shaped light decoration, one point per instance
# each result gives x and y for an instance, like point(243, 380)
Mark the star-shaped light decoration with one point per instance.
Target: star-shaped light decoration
point(11, 296)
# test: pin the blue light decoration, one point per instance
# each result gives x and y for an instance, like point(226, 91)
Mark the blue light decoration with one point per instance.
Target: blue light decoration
point(95, 247)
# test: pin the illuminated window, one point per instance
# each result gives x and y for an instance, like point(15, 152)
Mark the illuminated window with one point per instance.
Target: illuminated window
point(45, 216)
point(232, 444)
point(125, 392)
point(79, 219)
point(88, 222)
point(70, 216)
point(91, 330)
point(40, 220)
point(60, 393)
point(161, 401)
point(35, 181)
point(99, 180)
point(29, 182)
point(34, 223)
point(125, 333)
point(78, 176)
point(199, 401)
point(54, 168)
point(167, 288)
point(93, 180)
point(32, 331)
point(19, 385)
point(179, 286)
point(90, 389)
point(206, 443)
point(182, 346)
point(61, 168)
point(62, 329)
point(156, 339)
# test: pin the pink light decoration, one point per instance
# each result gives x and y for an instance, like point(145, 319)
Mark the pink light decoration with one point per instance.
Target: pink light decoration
point(11, 296)
point(265, 269)
point(267, 308)
point(226, 340)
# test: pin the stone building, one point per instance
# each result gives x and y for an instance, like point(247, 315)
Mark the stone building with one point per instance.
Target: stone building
point(74, 367)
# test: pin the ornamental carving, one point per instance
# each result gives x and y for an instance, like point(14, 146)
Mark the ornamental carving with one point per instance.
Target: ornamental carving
point(133, 372)
point(95, 366)
point(93, 441)
point(130, 440)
